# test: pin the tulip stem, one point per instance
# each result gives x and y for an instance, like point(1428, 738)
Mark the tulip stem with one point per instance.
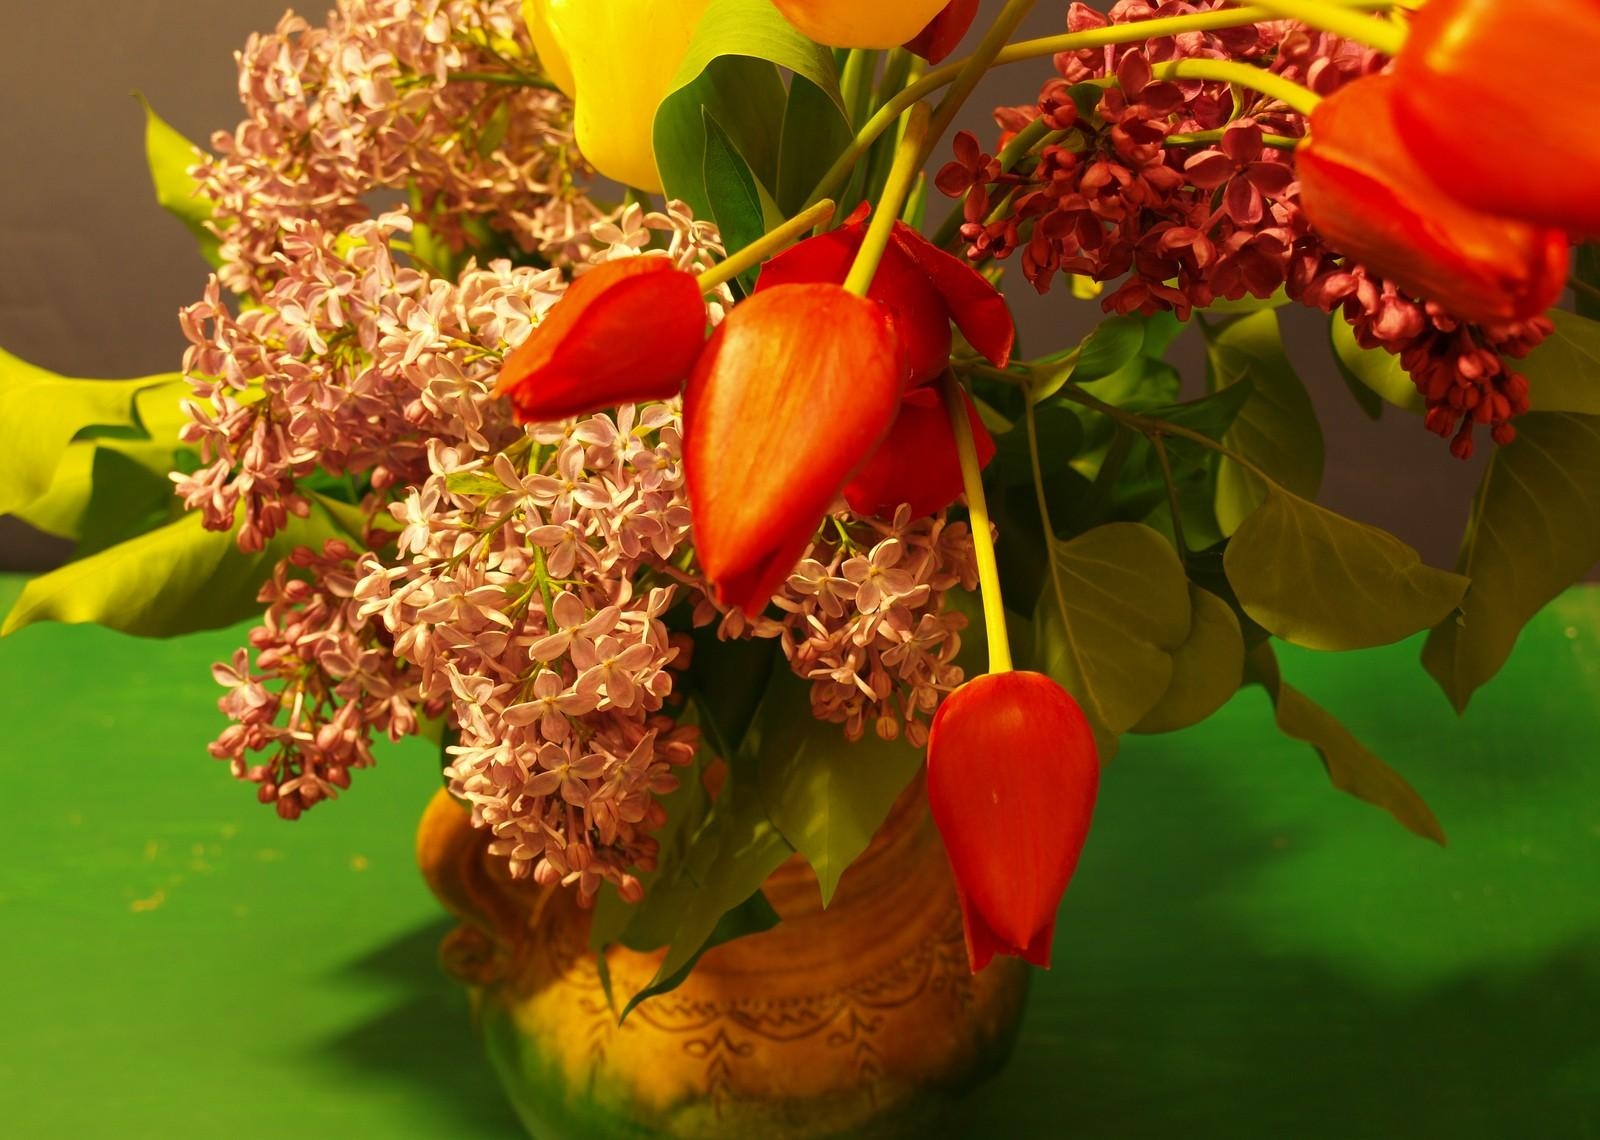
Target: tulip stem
point(1291, 94)
point(888, 114)
point(973, 69)
point(994, 610)
point(907, 164)
point(1199, 138)
point(764, 247)
point(1339, 19)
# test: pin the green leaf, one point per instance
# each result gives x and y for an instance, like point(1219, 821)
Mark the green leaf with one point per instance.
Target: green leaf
point(1113, 343)
point(827, 795)
point(724, 866)
point(1586, 266)
point(732, 192)
point(728, 680)
point(1107, 625)
point(815, 132)
point(41, 412)
point(1564, 372)
point(1212, 416)
point(130, 494)
point(1535, 529)
point(480, 482)
point(1352, 767)
point(170, 156)
point(1277, 428)
point(1318, 579)
point(176, 579)
point(1372, 370)
point(731, 72)
point(1207, 669)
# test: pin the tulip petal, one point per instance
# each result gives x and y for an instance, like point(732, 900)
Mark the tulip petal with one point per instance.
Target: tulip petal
point(1363, 190)
point(1473, 71)
point(622, 56)
point(1012, 777)
point(917, 462)
point(920, 315)
point(626, 331)
point(854, 24)
point(944, 31)
point(795, 389)
point(976, 306)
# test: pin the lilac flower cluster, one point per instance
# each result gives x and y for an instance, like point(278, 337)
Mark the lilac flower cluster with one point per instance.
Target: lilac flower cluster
point(320, 688)
point(866, 620)
point(1184, 226)
point(528, 590)
point(438, 98)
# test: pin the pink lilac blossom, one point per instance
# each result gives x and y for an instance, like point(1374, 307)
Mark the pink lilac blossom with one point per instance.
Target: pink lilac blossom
point(866, 620)
point(375, 99)
point(1185, 225)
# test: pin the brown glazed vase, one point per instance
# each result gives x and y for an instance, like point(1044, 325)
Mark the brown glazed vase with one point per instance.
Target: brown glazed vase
point(861, 1020)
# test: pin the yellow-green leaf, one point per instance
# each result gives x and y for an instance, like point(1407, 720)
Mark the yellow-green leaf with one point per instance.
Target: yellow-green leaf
point(1535, 529)
point(1374, 369)
point(1351, 765)
point(1277, 428)
point(1207, 669)
point(41, 412)
point(1108, 622)
point(170, 156)
point(1564, 372)
point(1318, 579)
point(827, 795)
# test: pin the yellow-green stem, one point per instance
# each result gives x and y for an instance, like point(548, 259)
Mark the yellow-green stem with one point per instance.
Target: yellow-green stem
point(1386, 36)
point(1291, 94)
point(764, 247)
point(974, 67)
point(888, 114)
point(994, 610)
point(907, 164)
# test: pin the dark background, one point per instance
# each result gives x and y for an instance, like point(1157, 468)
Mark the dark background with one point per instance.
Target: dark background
point(92, 272)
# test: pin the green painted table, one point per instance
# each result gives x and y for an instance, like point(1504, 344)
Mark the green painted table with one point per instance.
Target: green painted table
point(1245, 953)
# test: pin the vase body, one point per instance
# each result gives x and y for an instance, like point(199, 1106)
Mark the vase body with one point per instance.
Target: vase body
point(858, 1020)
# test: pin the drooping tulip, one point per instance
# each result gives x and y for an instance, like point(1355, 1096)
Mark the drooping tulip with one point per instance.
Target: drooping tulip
point(917, 463)
point(1483, 95)
point(627, 330)
point(923, 287)
point(617, 60)
point(1012, 776)
point(944, 31)
point(1364, 191)
point(795, 388)
point(858, 24)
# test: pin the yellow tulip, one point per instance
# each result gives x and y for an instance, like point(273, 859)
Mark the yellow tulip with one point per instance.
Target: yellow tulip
point(616, 58)
point(860, 23)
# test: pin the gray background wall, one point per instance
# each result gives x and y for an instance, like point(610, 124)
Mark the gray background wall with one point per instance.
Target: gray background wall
point(92, 273)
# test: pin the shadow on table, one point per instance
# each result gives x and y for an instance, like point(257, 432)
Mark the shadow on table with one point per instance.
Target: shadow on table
point(1167, 1015)
point(425, 1042)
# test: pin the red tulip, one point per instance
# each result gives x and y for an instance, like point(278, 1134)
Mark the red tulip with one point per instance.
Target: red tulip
point(923, 288)
point(1012, 777)
point(625, 331)
point(1484, 99)
point(795, 388)
point(944, 31)
point(917, 462)
point(1364, 191)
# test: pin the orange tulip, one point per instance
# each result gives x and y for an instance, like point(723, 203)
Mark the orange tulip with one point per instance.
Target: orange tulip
point(1364, 191)
point(1012, 777)
point(794, 390)
point(625, 331)
point(944, 31)
point(1484, 98)
point(855, 24)
point(923, 287)
point(917, 462)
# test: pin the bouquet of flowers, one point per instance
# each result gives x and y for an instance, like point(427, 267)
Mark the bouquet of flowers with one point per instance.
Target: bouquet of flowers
point(697, 517)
